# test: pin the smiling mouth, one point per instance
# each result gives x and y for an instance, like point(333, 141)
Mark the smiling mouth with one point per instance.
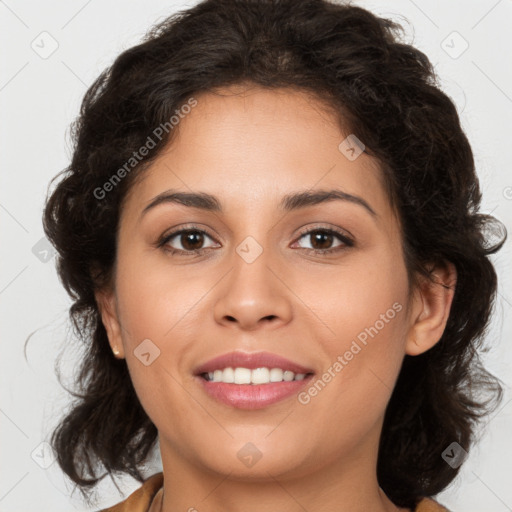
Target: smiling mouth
point(252, 380)
point(241, 391)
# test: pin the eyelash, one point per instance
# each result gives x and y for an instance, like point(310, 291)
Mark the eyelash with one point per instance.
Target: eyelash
point(348, 242)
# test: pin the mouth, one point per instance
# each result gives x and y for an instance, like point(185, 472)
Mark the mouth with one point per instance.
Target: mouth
point(252, 396)
point(252, 380)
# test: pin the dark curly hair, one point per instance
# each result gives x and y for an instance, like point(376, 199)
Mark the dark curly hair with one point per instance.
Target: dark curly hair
point(386, 92)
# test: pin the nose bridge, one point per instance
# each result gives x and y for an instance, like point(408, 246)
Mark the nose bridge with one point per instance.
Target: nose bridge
point(251, 275)
point(254, 251)
point(251, 262)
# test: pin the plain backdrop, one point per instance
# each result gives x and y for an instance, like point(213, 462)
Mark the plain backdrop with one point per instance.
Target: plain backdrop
point(51, 52)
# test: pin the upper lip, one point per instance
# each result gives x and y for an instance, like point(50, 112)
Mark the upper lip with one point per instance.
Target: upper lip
point(250, 360)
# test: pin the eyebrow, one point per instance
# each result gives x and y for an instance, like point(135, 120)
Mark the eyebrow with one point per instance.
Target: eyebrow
point(289, 202)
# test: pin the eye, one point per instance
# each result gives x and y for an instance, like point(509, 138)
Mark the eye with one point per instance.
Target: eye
point(190, 239)
point(322, 240)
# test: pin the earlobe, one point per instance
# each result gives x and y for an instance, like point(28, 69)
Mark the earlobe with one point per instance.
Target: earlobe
point(106, 302)
point(431, 308)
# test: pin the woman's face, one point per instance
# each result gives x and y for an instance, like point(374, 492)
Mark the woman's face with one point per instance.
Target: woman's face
point(258, 286)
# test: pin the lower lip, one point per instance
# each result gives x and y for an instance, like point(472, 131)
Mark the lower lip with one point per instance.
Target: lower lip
point(252, 396)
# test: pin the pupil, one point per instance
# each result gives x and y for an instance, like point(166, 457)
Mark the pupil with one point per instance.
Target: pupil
point(319, 236)
point(193, 236)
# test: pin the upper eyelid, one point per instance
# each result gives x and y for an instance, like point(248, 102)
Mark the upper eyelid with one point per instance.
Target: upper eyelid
point(336, 231)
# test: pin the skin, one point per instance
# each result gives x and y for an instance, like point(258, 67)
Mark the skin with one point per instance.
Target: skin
point(249, 147)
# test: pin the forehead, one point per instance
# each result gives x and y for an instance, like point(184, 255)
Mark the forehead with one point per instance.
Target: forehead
point(255, 145)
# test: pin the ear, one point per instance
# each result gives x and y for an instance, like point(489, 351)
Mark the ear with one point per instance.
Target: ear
point(432, 301)
point(106, 301)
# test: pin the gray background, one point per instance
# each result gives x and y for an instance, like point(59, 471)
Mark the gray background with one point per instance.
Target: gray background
point(40, 95)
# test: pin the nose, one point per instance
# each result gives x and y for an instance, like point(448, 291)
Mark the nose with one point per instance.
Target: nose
point(253, 295)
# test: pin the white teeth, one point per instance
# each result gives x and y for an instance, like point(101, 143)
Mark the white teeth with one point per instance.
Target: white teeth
point(276, 375)
point(260, 375)
point(288, 376)
point(228, 375)
point(256, 376)
point(242, 376)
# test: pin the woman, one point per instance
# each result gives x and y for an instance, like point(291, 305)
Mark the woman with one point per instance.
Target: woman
point(271, 234)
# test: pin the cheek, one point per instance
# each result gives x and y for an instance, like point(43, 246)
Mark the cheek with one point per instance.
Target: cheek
point(364, 299)
point(155, 299)
point(155, 308)
point(364, 308)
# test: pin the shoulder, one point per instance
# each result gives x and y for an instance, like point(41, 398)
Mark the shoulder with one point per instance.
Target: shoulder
point(140, 499)
point(429, 505)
